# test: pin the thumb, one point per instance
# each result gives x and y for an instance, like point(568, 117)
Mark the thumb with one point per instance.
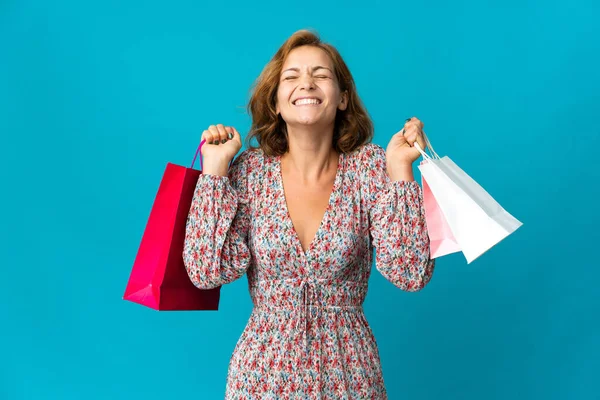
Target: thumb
point(231, 132)
point(234, 132)
point(399, 138)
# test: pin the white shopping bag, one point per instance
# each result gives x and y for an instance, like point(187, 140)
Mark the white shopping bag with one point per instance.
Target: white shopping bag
point(476, 220)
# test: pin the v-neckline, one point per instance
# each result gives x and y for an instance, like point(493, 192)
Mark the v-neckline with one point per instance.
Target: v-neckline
point(288, 217)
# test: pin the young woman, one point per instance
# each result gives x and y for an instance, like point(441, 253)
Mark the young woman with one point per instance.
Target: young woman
point(300, 215)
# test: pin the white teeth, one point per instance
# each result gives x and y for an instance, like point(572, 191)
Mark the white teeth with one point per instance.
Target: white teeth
point(302, 102)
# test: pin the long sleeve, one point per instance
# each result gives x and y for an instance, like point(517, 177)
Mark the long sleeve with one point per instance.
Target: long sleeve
point(397, 224)
point(216, 239)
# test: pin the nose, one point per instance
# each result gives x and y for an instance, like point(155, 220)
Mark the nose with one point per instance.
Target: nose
point(307, 82)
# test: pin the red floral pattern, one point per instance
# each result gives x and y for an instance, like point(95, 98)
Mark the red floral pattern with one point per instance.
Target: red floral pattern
point(307, 337)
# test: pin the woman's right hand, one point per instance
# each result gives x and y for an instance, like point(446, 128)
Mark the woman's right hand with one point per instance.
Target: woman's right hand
point(222, 143)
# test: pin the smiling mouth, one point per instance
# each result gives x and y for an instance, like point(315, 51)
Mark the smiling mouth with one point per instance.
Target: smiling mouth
point(306, 102)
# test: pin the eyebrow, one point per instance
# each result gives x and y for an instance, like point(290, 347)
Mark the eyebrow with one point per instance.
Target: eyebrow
point(314, 69)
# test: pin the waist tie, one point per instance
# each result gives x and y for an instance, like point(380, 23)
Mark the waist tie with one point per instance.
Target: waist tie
point(300, 296)
point(304, 288)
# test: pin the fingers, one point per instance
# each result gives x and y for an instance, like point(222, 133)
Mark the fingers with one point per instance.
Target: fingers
point(218, 134)
point(415, 136)
point(415, 121)
point(223, 133)
point(421, 140)
point(413, 132)
point(410, 134)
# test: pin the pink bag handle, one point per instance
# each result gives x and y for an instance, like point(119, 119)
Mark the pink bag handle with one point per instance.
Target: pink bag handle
point(198, 153)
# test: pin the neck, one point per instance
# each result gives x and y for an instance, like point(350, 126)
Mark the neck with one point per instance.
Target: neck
point(311, 156)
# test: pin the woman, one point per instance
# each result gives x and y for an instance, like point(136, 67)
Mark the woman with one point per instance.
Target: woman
point(299, 215)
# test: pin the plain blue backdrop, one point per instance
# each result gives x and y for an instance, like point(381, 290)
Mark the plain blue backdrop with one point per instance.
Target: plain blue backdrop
point(97, 96)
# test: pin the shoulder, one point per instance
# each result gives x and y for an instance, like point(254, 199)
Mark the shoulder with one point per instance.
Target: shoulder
point(368, 156)
point(371, 169)
point(369, 150)
point(247, 169)
point(248, 161)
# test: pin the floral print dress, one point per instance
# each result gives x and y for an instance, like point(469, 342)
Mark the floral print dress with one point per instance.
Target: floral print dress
point(307, 336)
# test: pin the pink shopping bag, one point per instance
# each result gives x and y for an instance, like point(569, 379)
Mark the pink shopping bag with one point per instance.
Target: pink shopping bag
point(442, 241)
point(159, 279)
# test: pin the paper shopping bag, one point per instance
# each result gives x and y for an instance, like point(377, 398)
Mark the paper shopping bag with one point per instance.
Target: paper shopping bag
point(477, 221)
point(159, 279)
point(442, 241)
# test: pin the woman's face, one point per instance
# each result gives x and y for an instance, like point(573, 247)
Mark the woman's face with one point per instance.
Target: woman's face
point(308, 92)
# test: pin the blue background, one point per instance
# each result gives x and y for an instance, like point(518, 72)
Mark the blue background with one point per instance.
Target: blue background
point(96, 97)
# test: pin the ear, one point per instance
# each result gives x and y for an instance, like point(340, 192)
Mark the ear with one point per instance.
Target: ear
point(344, 100)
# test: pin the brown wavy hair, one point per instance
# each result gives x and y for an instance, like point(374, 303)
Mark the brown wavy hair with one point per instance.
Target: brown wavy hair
point(353, 126)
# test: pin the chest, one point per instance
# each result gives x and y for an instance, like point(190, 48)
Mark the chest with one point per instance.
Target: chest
point(306, 207)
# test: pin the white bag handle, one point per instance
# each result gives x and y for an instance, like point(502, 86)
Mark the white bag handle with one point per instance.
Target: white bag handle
point(428, 145)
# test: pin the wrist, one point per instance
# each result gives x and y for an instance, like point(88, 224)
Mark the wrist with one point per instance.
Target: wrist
point(400, 172)
point(215, 167)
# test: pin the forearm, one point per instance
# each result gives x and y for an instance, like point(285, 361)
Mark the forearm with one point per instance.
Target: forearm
point(399, 233)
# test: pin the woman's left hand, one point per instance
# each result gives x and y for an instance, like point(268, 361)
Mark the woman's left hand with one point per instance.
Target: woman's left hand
point(401, 150)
